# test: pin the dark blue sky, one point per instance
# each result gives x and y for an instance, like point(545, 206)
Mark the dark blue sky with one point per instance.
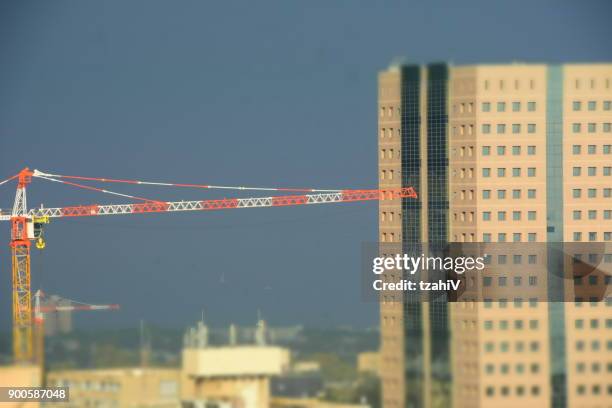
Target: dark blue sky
point(277, 93)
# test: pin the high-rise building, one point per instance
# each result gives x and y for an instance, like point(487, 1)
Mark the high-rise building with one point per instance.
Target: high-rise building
point(517, 153)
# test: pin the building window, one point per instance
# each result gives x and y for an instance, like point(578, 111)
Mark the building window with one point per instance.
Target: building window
point(516, 172)
point(592, 127)
point(531, 193)
point(576, 171)
point(486, 237)
point(607, 105)
point(516, 150)
point(516, 106)
point(592, 105)
point(486, 172)
point(516, 194)
point(576, 105)
point(531, 106)
point(516, 215)
point(607, 192)
point(486, 216)
point(501, 128)
point(592, 192)
point(607, 171)
point(486, 128)
point(501, 172)
point(576, 127)
point(531, 128)
point(531, 237)
point(486, 107)
point(576, 215)
point(607, 149)
point(531, 172)
point(576, 192)
point(516, 237)
point(501, 194)
point(577, 236)
point(486, 150)
point(501, 216)
point(607, 127)
point(501, 106)
point(576, 149)
point(501, 237)
point(531, 150)
point(486, 194)
point(592, 171)
point(516, 128)
point(501, 150)
point(592, 214)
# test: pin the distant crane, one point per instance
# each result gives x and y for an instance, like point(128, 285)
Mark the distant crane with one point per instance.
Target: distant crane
point(39, 319)
point(27, 224)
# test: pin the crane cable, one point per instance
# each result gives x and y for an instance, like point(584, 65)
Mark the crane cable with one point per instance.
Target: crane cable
point(101, 190)
point(9, 179)
point(38, 173)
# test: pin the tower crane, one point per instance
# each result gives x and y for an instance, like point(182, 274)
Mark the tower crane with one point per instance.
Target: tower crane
point(40, 311)
point(27, 223)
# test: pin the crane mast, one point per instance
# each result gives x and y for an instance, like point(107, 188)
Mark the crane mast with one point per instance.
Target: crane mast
point(20, 254)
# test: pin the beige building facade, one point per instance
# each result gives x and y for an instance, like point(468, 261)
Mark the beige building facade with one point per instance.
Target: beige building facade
point(517, 154)
point(119, 387)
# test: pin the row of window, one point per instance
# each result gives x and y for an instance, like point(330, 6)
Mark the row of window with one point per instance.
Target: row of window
point(518, 368)
point(505, 325)
point(591, 214)
point(595, 367)
point(595, 345)
point(531, 237)
point(591, 171)
point(593, 323)
point(592, 236)
point(388, 133)
point(504, 346)
point(501, 128)
point(581, 389)
point(516, 194)
point(389, 111)
point(516, 150)
point(591, 149)
point(516, 128)
point(516, 172)
point(516, 106)
point(592, 127)
point(516, 237)
point(502, 281)
point(516, 215)
point(501, 150)
point(591, 105)
point(531, 193)
point(591, 192)
point(520, 391)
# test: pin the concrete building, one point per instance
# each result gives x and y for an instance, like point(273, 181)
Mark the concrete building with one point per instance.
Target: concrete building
point(229, 376)
point(517, 153)
point(119, 388)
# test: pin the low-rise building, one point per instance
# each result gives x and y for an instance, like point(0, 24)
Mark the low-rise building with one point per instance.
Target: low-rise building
point(119, 387)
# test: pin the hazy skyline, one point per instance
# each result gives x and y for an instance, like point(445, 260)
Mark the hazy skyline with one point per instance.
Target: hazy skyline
point(267, 94)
